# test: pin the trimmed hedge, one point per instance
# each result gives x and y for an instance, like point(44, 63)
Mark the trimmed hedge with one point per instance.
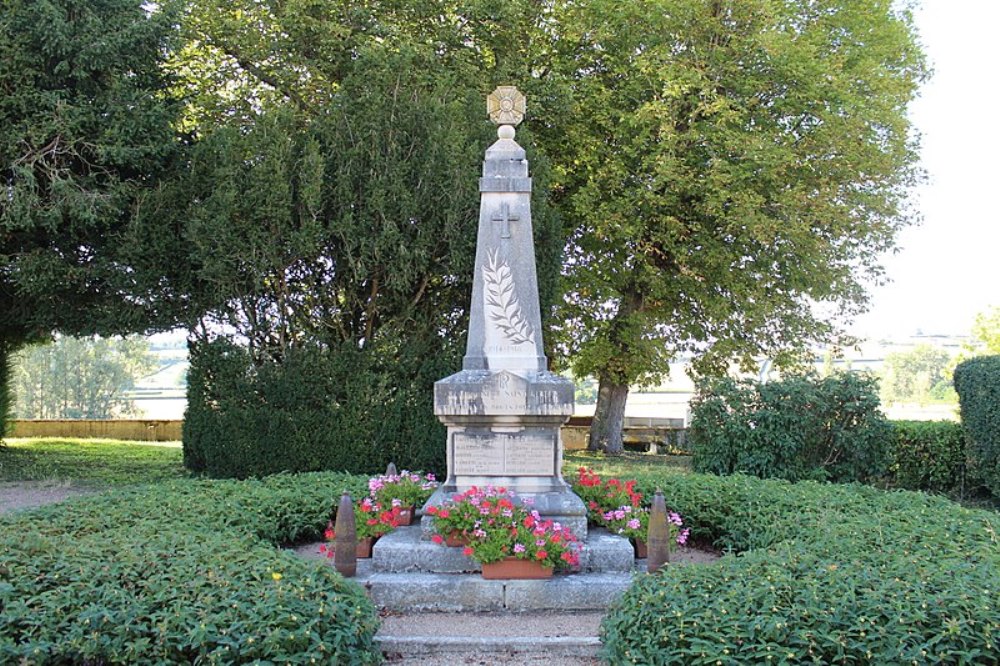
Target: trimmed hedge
point(802, 427)
point(832, 574)
point(977, 382)
point(315, 410)
point(181, 572)
point(6, 386)
point(927, 455)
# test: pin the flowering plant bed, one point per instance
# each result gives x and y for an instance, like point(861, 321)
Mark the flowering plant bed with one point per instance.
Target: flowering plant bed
point(616, 505)
point(371, 520)
point(406, 489)
point(601, 496)
point(498, 527)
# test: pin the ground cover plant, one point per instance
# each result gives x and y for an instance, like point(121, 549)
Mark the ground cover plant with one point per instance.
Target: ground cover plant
point(179, 572)
point(817, 573)
point(97, 462)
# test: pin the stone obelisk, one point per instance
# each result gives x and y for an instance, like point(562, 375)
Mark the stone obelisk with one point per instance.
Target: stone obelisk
point(504, 409)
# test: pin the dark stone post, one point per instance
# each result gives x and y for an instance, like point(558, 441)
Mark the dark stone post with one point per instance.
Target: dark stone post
point(658, 542)
point(345, 540)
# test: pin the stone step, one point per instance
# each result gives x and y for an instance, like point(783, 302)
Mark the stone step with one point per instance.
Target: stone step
point(403, 550)
point(436, 592)
point(499, 638)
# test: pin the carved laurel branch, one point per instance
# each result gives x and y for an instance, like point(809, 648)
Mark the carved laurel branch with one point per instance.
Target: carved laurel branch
point(505, 311)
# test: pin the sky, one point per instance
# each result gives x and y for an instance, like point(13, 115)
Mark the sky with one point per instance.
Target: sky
point(948, 268)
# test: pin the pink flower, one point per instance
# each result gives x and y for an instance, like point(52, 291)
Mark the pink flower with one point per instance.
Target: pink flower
point(634, 524)
point(683, 536)
point(519, 548)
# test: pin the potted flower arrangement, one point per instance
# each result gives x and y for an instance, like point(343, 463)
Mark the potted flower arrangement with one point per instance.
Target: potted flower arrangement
point(406, 490)
point(616, 505)
point(508, 539)
point(602, 496)
point(455, 519)
point(371, 521)
point(631, 523)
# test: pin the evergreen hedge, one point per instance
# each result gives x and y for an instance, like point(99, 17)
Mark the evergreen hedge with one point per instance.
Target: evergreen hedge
point(316, 409)
point(928, 455)
point(801, 427)
point(6, 385)
point(977, 382)
point(181, 572)
point(819, 573)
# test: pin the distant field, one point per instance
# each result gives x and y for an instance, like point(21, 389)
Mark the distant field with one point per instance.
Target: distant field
point(97, 462)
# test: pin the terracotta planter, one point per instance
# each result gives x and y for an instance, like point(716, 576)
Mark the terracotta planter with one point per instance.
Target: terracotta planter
point(364, 547)
point(512, 567)
point(456, 539)
point(405, 515)
point(640, 548)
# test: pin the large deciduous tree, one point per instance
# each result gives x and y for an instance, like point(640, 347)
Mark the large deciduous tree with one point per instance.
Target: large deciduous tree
point(733, 172)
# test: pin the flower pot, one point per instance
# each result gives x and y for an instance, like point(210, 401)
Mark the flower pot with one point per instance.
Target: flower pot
point(364, 547)
point(405, 515)
point(511, 567)
point(455, 539)
point(640, 548)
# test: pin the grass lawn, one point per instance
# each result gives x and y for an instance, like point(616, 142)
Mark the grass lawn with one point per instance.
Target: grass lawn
point(90, 462)
point(628, 465)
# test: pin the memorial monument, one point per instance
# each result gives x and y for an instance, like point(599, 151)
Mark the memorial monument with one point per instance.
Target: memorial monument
point(504, 409)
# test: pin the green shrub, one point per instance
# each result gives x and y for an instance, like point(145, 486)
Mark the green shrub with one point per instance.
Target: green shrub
point(826, 574)
point(798, 428)
point(927, 455)
point(6, 393)
point(314, 410)
point(181, 572)
point(977, 382)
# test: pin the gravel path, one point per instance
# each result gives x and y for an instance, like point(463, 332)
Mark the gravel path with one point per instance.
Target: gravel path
point(18, 495)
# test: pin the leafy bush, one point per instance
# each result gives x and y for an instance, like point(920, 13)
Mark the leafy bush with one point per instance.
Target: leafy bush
point(6, 393)
point(978, 384)
point(927, 455)
point(799, 428)
point(314, 410)
point(181, 572)
point(831, 574)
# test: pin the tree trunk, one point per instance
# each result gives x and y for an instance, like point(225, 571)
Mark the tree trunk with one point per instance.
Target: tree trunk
point(609, 418)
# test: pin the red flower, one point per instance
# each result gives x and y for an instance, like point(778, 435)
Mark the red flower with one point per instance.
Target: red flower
point(467, 551)
point(437, 538)
point(433, 511)
point(329, 534)
point(529, 522)
point(541, 555)
point(444, 513)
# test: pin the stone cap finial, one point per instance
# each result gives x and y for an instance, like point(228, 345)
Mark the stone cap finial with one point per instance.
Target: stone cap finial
point(506, 105)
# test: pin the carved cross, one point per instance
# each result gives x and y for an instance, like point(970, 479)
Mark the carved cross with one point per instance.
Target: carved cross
point(505, 218)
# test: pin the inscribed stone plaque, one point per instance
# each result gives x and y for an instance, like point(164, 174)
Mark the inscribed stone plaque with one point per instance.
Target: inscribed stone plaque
point(501, 454)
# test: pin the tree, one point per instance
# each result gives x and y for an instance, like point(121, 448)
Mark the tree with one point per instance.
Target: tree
point(85, 133)
point(986, 332)
point(910, 376)
point(79, 378)
point(733, 172)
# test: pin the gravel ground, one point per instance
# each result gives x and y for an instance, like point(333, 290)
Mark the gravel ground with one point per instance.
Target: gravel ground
point(17, 495)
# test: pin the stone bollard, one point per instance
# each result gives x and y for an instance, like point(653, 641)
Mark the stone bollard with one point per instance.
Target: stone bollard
point(345, 540)
point(658, 540)
point(390, 469)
